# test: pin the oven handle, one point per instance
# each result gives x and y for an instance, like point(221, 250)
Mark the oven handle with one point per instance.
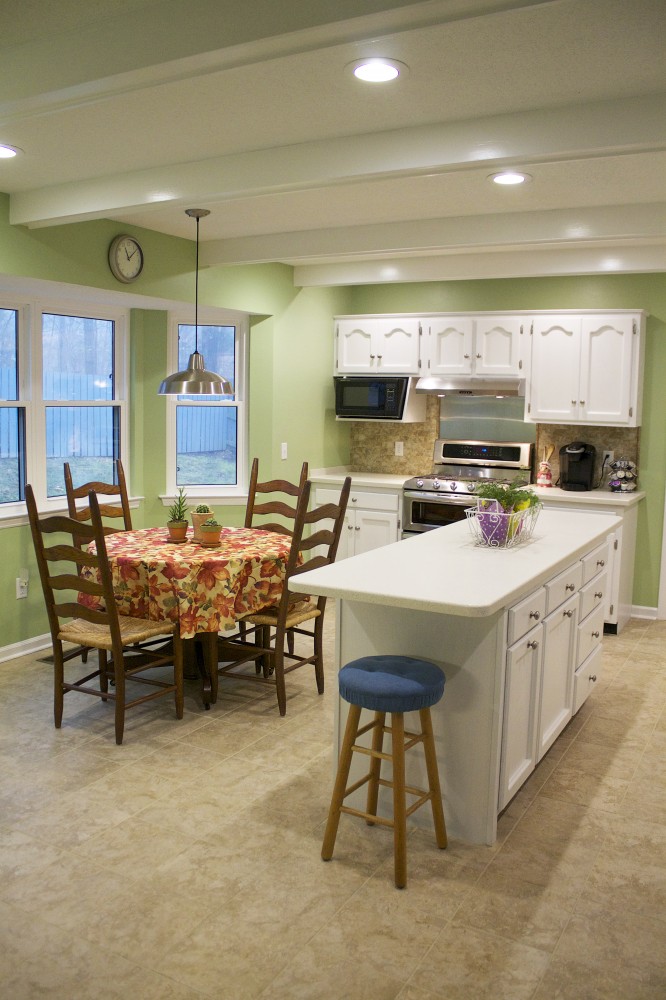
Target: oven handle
point(456, 499)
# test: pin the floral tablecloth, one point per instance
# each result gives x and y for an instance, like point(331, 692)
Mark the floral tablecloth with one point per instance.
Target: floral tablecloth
point(203, 589)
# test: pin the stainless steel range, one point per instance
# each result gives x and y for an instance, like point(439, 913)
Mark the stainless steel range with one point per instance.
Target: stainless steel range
point(440, 497)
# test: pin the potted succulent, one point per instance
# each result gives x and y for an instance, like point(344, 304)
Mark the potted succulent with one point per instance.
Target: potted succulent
point(210, 531)
point(200, 514)
point(495, 504)
point(178, 523)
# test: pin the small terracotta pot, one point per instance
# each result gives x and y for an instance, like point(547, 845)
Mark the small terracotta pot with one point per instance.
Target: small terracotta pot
point(177, 530)
point(210, 536)
point(197, 521)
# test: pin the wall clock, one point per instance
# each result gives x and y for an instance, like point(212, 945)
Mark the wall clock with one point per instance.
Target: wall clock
point(125, 258)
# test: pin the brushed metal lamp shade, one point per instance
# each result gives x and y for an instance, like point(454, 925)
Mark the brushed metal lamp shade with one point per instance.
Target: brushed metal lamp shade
point(196, 380)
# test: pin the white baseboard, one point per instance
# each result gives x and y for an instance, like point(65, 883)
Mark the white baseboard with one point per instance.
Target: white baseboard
point(26, 647)
point(638, 611)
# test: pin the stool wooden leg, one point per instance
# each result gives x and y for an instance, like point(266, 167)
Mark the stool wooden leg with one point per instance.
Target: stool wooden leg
point(433, 777)
point(340, 786)
point(376, 764)
point(399, 799)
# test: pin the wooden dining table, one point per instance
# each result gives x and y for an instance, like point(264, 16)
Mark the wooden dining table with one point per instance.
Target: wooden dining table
point(204, 590)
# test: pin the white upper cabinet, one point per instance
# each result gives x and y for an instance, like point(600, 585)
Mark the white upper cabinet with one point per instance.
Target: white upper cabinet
point(586, 368)
point(474, 345)
point(377, 345)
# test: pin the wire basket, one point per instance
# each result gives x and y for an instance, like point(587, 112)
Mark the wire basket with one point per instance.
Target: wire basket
point(497, 530)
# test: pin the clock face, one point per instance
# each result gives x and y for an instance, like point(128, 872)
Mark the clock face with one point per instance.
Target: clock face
point(125, 258)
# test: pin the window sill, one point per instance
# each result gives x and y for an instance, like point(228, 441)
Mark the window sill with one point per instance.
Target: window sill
point(212, 499)
point(14, 515)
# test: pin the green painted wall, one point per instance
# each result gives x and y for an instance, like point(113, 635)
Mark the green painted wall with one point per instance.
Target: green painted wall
point(607, 291)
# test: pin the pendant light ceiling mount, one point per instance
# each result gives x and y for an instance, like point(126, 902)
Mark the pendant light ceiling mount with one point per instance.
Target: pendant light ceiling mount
point(196, 380)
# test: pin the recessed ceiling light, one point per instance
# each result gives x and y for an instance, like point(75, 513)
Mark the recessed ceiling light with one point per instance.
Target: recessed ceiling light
point(510, 177)
point(378, 70)
point(7, 152)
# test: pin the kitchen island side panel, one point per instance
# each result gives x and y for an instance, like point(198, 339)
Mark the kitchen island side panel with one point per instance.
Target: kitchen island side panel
point(467, 721)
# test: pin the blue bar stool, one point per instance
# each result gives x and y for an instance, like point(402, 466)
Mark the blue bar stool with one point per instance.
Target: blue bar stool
point(395, 685)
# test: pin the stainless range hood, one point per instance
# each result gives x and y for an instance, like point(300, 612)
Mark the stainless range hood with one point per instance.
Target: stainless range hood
point(471, 385)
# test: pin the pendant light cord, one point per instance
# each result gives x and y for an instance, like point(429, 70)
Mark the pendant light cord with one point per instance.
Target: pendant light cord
point(196, 296)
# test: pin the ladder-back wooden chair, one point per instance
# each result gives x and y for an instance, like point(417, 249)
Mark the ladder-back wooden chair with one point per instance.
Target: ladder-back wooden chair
point(59, 541)
point(113, 510)
point(313, 545)
point(257, 508)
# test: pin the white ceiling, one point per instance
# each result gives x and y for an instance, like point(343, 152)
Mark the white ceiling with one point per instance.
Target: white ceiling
point(134, 110)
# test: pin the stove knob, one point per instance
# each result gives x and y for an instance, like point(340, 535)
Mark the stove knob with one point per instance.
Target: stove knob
point(471, 487)
point(453, 487)
point(419, 483)
point(436, 484)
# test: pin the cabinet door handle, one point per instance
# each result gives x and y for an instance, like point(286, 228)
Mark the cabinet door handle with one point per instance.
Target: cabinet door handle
point(570, 586)
point(573, 402)
point(478, 355)
point(379, 357)
point(532, 644)
point(349, 527)
point(357, 528)
point(595, 635)
point(600, 562)
point(592, 678)
point(465, 355)
point(582, 402)
point(353, 499)
point(535, 615)
point(372, 357)
point(599, 593)
point(567, 614)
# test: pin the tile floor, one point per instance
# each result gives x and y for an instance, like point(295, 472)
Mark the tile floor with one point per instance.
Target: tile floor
point(185, 863)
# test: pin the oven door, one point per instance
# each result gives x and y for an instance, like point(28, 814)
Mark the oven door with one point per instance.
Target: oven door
point(424, 511)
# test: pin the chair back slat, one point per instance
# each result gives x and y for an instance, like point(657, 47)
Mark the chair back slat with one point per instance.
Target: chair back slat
point(118, 489)
point(256, 509)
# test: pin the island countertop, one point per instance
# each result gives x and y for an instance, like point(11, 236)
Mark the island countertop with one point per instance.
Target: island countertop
point(445, 571)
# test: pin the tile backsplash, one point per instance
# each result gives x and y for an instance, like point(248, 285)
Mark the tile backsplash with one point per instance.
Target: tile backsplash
point(372, 445)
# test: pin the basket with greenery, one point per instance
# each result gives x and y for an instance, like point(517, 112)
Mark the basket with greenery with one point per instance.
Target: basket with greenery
point(504, 514)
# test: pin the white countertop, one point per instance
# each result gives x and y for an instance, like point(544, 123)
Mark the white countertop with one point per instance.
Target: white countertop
point(446, 572)
point(552, 494)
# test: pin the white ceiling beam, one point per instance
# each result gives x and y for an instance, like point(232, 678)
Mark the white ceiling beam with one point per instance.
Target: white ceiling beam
point(509, 263)
point(596, 129)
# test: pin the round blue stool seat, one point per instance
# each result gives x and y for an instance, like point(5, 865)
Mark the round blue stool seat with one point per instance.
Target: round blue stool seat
point(391, 683)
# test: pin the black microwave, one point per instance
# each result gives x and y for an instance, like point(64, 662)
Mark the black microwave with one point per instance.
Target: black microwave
point(371, 397)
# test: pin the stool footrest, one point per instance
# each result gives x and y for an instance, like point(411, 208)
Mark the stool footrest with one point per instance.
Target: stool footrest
point(367, 816)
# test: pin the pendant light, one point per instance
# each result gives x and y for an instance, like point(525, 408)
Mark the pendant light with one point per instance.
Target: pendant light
point(196, 380)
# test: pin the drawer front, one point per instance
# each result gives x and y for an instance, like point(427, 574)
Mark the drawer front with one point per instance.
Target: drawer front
point(563, 586)
point(526, 614)
point(586, 677)
point(371, 501)
point(592, 594)
point(594, 562)
point(590, 632)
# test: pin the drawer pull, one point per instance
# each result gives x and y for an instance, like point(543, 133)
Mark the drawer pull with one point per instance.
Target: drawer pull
point(535, 614)
point(567, 614)
point(599, 594)
point(595, 635)
point(532, 644)
point(357, 528)
point(570, 586)
point(600, 562)
point(592, 678)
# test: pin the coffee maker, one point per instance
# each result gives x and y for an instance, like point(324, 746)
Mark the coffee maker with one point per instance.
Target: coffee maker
point(577, 466)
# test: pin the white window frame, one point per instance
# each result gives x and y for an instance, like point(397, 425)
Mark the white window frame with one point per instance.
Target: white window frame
point(208, 316)
point(30, 390)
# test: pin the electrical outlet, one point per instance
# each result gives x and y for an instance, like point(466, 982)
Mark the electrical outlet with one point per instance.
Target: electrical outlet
point(21, 588)
point(399, 449)
point(609, 456)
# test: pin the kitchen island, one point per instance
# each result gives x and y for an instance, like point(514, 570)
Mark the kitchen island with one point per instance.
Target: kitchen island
point(487, 617)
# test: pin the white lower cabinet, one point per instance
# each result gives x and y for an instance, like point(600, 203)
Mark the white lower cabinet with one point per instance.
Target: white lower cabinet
point(370, 522)
point(553, 660)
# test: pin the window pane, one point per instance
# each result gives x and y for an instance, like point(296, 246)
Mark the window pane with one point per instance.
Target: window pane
point(11, 454)
point(217, 345)
point(206, 445)
point(8, 354)
point(85, 436)
point(77, 357)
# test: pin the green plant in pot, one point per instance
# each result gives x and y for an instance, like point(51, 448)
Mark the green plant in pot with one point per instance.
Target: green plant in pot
point(178, 523)
point(210, 532)
point(200, 514)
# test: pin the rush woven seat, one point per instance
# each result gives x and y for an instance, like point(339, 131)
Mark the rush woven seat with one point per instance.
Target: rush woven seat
point(60, 541)
point(395, 685)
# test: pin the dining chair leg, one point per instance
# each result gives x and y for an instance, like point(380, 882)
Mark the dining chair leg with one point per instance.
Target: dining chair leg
point(319, 653)
point(399, 799)
point(277, 658)
point(375, 764)
point(340, 786)
point(58, 681)
point(178, 668)
point(119, 674)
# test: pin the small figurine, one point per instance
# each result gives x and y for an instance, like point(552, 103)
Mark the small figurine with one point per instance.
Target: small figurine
point(545, 474)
